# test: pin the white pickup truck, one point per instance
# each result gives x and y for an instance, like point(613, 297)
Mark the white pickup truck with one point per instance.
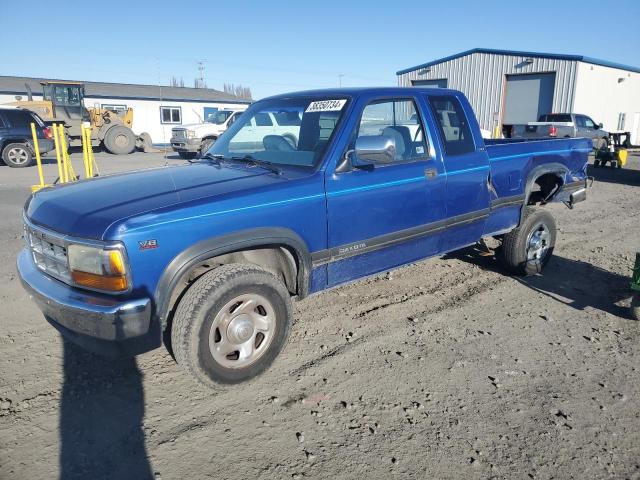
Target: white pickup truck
point(189, 140)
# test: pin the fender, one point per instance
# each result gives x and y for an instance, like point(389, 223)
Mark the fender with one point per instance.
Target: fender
point(213, 247)
point(536, 172)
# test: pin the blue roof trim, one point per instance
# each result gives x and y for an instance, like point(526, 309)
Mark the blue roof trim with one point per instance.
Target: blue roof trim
point(556, 56)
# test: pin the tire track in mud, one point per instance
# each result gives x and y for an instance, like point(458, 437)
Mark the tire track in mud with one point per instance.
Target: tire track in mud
point(483, 284)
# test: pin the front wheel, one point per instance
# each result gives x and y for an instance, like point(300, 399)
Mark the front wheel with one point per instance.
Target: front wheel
point(231, 324)
point(120, 140)
point(206, 145)
point(527, 249)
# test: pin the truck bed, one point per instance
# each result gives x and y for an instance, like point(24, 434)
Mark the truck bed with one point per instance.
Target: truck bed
point(513, 160)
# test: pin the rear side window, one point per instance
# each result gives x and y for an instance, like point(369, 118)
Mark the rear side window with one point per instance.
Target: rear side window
point(555, 117)
point(263, 120)
point(19, 118)
point(453, 125)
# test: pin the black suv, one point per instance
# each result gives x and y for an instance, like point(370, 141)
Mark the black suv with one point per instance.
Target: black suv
point(16, 142)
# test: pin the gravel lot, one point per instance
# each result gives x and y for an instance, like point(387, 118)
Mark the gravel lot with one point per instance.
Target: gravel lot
point(442, 369)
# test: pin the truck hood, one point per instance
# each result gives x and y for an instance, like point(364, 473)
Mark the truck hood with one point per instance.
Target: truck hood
point(86, 209)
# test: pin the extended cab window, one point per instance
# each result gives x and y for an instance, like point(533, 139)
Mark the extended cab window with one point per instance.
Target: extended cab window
point(396, 119)
point(453, 125)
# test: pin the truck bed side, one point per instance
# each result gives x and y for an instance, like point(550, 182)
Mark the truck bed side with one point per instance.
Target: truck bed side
point(527, 172)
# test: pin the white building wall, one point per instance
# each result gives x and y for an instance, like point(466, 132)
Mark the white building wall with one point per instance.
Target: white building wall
point(146, 113)
point(482, 76)
point(604, 93)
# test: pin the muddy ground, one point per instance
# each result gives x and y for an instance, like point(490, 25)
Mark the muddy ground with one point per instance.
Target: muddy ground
point(442, 369)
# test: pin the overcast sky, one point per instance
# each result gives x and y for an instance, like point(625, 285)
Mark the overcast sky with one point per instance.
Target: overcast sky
point(276, 46)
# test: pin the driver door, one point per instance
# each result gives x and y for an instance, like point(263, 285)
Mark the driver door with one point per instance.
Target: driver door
point(389, 214)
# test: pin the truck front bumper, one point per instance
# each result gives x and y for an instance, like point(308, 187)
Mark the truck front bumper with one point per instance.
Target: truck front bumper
point(180, 144)
point(96, 322)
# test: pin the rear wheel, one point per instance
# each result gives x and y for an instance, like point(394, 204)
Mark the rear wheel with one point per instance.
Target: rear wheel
point(17, 155)
point(120, 140)
point(231, 324)
point(527, 249)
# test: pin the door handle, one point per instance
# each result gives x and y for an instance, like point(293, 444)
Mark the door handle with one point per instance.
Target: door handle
point(430, 173)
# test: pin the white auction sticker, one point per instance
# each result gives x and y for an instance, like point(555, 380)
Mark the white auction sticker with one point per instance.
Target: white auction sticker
point(326, 106)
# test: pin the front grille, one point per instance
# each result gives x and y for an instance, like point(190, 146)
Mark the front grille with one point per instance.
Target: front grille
point(49, 253)
point(179, 133)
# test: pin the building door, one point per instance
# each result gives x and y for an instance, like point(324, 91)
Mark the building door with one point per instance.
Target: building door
point(435, 83)
point(527, 97)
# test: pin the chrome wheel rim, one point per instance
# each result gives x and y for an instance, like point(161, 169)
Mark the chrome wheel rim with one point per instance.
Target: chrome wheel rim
point(538, 243)
point(242, 331)
point(17, 155)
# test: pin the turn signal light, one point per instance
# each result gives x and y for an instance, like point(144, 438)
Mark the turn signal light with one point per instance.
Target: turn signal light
point(553, 131)
point(100, 282)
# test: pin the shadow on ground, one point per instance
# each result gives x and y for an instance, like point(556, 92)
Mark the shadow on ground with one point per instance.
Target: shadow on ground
point(574, 283)
point(625, 176)
point(101, 415)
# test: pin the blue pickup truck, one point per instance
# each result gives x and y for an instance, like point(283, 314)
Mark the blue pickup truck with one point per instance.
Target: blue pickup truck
point(209, 255)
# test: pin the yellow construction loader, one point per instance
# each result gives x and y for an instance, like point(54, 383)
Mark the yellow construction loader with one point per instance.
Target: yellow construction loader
point(63, 103)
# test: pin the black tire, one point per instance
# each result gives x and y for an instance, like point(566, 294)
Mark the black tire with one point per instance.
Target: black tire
point(220, 293)
point(634, 309)
point(517, 244)
point(596, 163)
point(17, 155)
point(187, 155)
point(600, 143)
point(120, 140)
point(206, 144)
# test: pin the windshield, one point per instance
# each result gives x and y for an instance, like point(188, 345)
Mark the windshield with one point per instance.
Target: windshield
point(286, 131)
point(218, 118)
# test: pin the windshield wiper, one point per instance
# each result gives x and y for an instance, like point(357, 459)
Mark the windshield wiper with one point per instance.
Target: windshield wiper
point(215, 157)
point(251, 160)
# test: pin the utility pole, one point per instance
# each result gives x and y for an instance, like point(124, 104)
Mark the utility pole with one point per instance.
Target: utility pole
point(201, 83)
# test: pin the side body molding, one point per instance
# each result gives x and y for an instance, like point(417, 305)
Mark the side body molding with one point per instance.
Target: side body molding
point(213, 247)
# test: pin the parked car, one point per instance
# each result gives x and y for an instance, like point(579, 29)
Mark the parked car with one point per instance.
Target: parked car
point(190, 140)
point(16, 140)
point(563, 125)
point(211, 254)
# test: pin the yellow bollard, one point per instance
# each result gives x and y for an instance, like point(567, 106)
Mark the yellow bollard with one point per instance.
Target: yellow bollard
point(58, 159)
point(36, 147)
point(85, 151)
point(70, 174)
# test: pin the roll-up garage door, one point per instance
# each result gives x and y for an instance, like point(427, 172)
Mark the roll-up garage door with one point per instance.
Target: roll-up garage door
point(527, 97)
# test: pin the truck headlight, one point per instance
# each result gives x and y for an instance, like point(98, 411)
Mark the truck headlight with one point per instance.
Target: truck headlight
point(98, 268)
point(191, 134)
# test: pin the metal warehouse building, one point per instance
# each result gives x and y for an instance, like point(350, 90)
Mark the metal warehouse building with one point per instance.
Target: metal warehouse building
point(508, 87)
point(156, 109)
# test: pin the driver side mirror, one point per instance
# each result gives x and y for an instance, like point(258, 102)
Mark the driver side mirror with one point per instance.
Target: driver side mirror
point(599, 126)
point(369, 151)
point(375, 149)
